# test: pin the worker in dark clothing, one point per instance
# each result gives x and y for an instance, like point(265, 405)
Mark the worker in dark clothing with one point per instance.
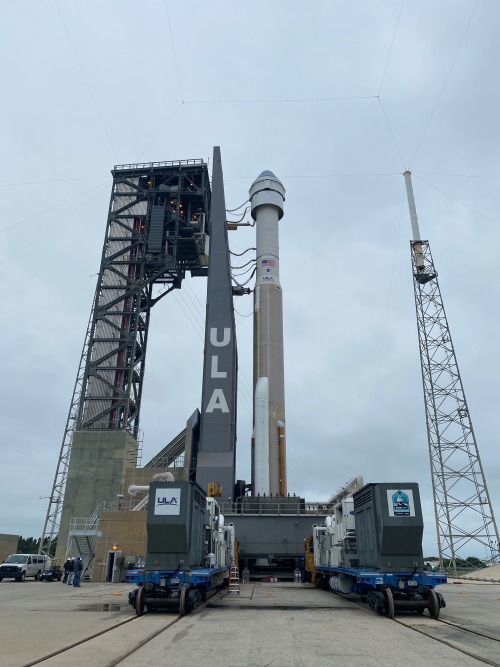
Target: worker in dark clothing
point(302, 569)
point(66, 570)
point(78, 567)
point(71, 571)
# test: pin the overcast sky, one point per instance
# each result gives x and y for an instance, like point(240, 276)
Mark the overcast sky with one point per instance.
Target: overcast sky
point(87, 85)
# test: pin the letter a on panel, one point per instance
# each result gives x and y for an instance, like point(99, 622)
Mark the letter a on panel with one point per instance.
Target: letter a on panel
point(217, 402)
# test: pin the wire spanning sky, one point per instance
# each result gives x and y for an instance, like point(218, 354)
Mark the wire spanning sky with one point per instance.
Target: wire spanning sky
point(337, 99)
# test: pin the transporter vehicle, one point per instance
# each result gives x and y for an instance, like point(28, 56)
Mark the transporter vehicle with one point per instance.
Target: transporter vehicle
point(371, 546)
point(189, 549)
point(20, 566)
point(52, 571)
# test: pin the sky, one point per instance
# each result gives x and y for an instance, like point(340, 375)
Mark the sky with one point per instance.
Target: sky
point(337, 99)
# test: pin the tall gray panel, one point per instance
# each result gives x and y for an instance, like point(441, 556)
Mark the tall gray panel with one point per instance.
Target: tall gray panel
point(217, 449)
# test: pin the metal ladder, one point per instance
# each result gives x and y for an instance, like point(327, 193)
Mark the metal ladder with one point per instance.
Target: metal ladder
point(234, 580)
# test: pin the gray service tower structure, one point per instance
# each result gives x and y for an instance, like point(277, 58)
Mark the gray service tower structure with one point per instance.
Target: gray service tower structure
point(267, 195)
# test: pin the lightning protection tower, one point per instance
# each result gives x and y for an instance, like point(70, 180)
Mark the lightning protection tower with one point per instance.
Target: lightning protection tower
point(462, 505)
point(157, 230)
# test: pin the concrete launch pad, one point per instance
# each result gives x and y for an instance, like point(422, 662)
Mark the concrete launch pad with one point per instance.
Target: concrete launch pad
point(281, 624)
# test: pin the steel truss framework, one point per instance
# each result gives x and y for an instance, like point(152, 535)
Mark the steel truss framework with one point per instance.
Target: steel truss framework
point(156, 231)
point(463, 509)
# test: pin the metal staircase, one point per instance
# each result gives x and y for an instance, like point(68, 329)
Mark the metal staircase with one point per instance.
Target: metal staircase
point(82, 537)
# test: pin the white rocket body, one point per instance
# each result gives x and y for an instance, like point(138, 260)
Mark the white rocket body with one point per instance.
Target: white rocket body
point(267, 195)
point(261, 436)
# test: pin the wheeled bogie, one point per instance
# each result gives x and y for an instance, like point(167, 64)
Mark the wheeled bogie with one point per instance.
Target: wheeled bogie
point(178, 590)
point(370, 545)
point(386, 592)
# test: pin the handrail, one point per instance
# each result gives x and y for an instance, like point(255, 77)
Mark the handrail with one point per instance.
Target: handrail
point(150, 165)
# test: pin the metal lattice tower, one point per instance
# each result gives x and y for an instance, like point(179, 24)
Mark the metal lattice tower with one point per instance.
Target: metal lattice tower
point(157, 230)
point(462, 504)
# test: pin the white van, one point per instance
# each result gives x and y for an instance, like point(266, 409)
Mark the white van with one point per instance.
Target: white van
point(20, 566)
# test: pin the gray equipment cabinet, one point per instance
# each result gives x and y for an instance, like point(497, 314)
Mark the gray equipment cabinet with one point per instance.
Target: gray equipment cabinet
point(389, 526)
point(176, 526)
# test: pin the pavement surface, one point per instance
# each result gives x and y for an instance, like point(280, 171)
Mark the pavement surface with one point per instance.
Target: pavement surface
point(486, 574)
point(273, 624)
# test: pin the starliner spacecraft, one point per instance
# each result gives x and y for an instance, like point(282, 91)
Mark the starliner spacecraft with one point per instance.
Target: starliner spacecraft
point(267, 196)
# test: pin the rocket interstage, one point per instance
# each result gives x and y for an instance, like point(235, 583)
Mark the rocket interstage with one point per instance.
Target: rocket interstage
point(267, 195)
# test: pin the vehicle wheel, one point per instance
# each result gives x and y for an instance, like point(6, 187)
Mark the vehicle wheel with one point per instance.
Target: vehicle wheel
point(140, 601)
point(1, 578)
point(389, 603)
point(37, 576)
point(22, 577)
point(195, 598)
point(184, 601)
point(434, 607)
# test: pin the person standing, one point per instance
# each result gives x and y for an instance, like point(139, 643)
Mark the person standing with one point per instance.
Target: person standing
point(78, 572)
point(71, 571)
point(66, 570)
point(302, 569)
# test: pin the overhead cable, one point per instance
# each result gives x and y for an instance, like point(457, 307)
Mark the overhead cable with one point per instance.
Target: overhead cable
point(170, 118)
point(56, 180)
point(51, 208)
point(444, 84)
point(188, 314)
point(390, 50)
point(243, 273)
point(392, 133)
point(334, 175)
point(239, 254)
point(241, 314)
point(201, 307)
point(458, 201)
point(232, 210)
point(49, 229)
point(173, 49)
point(246, 281)
point(285, 100)
point(442, 173)
point(250, 261)
point(86, 81)
point(239, 219)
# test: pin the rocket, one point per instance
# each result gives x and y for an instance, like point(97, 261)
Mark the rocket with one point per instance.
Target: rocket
point(267, 195)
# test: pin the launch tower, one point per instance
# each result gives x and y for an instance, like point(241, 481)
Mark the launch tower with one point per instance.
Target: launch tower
point(463, 509)
point(156, 232)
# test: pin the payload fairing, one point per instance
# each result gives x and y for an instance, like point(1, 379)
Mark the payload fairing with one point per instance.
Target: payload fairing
point(267, 195)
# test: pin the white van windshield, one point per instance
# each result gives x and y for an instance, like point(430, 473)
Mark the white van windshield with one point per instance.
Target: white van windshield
point(17, 558)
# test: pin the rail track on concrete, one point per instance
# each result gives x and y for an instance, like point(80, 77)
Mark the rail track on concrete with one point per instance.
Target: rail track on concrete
point(472, 643)
point(479, 645)
point(86, 643)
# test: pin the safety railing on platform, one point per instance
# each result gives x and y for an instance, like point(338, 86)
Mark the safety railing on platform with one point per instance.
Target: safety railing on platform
point(149, 165)
point(279, 507)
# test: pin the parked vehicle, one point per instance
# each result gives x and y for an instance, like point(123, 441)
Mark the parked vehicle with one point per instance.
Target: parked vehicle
point(52, 572)
point(20, 566)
